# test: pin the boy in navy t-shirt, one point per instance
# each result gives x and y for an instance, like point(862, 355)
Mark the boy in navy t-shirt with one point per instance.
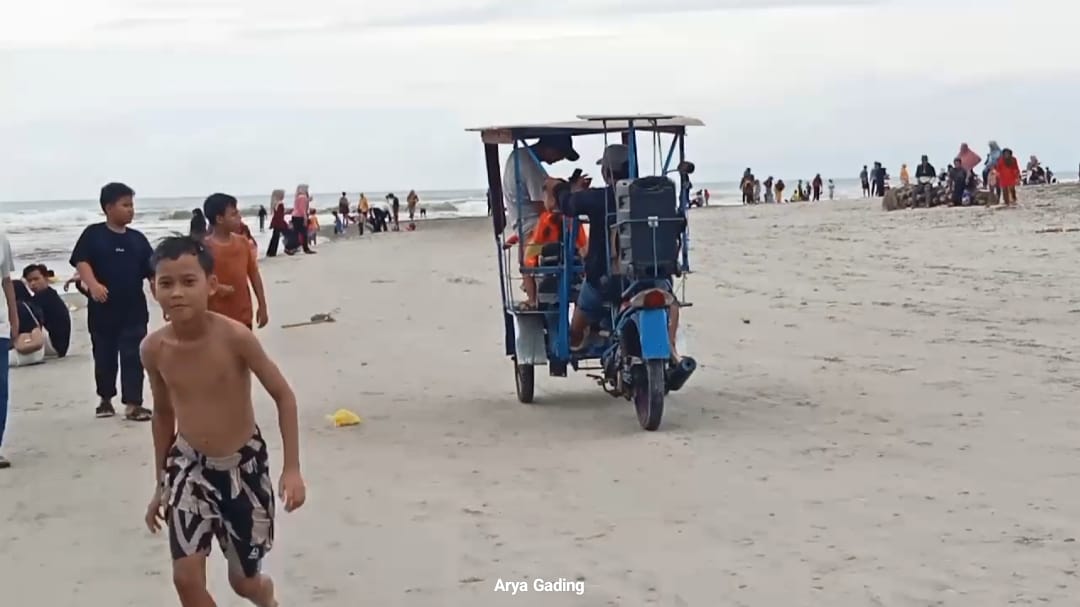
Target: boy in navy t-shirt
point(113, 261)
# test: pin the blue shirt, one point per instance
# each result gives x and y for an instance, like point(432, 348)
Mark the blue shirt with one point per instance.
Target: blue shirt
point(121, 262)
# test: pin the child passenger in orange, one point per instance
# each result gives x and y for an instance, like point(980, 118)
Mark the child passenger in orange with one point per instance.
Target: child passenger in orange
point(549, 229)
point(313, 226)
point(234, 264)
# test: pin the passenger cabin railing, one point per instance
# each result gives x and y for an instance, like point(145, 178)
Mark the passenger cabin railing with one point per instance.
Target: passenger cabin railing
point(568, 266)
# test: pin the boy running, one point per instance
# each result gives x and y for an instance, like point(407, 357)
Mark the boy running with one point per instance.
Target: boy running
point(234, 263)
point(213, 474)
point(112, 261)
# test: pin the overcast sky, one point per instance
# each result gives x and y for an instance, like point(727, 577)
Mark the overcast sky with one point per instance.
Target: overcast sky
point(189, 96)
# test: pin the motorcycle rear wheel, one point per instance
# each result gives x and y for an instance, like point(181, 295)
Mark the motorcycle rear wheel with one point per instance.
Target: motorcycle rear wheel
point(649, 391)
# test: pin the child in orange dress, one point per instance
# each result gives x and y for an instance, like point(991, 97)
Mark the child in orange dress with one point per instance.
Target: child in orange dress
point(313, 226)
point(549, 229)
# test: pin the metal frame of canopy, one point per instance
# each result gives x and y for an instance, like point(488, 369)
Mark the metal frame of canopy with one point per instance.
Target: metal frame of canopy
point(627, 125)
point(587, 124)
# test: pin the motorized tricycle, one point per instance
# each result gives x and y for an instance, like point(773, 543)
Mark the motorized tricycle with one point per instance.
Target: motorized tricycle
point(647, 240)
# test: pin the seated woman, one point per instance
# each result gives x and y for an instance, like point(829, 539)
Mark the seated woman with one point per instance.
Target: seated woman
point(55, 317)
point(29, 346)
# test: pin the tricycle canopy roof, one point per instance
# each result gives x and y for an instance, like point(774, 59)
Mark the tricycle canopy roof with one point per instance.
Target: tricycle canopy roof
point(588, 125)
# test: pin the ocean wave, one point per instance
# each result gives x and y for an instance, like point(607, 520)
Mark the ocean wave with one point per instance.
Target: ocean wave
point(25, 222)
point(184, 214)
point(462, 208)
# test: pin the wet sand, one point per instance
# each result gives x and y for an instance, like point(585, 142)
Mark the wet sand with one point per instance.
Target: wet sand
point(884, 415)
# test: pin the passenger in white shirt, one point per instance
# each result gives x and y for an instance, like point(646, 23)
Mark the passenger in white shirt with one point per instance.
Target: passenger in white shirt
point(549, 150)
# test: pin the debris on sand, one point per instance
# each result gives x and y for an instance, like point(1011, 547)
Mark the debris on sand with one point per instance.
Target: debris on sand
point(343, 418)
point(316, 319)
point(1058, 230)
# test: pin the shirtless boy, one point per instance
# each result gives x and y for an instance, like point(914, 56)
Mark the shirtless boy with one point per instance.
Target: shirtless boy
point(213, 474)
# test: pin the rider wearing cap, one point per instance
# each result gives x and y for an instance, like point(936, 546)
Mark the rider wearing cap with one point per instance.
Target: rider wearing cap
point(550, 149)
point(598, 204)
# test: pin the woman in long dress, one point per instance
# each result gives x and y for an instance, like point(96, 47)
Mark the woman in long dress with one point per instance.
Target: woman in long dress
point(278, 225)
point(412, 201)
point(301, 204)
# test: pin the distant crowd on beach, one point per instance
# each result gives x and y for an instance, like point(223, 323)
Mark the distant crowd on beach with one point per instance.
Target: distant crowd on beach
point(296, 229)
point(960, 182)
point(998, 179)
point(755, 191)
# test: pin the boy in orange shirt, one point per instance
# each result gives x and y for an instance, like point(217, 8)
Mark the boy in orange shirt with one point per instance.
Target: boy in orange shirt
point(549, 229)
point(234, 264)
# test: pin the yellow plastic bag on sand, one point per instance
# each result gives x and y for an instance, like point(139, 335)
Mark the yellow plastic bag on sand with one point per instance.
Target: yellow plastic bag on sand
point(344, 417)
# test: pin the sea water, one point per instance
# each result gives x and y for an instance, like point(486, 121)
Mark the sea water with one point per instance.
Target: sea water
point(682, 336)
point(45, 231)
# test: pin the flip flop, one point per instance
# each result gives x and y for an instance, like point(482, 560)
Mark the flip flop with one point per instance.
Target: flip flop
point(104, 410)
point(139, 414)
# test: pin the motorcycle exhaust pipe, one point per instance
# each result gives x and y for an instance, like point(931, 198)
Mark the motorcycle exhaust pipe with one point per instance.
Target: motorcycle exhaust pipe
point(678, 375)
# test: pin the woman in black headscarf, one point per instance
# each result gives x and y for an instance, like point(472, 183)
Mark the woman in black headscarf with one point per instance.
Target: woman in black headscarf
point(198, 224)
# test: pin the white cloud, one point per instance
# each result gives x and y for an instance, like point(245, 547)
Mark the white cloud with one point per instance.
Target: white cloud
point(190, 95)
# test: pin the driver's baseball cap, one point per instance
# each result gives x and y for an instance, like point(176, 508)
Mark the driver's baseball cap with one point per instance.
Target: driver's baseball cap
point(563, 143)
point(615, 156)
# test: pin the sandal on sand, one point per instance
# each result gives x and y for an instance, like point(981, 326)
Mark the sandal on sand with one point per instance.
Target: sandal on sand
point(105, 409)
point(138, 413)
point(4, 464)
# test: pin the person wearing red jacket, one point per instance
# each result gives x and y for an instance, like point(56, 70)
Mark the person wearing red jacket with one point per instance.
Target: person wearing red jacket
point(1008, 171)
point(278, 225)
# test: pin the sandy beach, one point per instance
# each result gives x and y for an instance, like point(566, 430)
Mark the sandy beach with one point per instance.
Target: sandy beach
point(884, 416)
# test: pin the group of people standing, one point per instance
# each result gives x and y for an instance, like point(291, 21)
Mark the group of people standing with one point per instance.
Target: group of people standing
point(772, 190)
point(874, 182)
point(296, 228)
point(296, 231)
point(377, 218)
point(1001, 175)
